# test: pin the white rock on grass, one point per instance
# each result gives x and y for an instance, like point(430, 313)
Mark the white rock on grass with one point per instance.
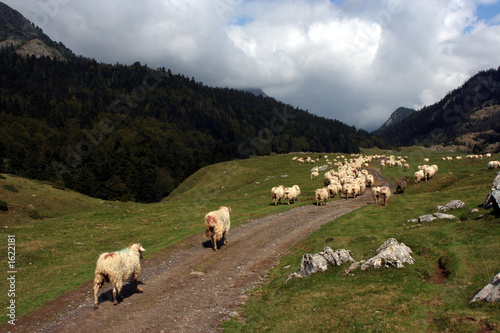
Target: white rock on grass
point(445, 216)
point(453, 204)
point(337, 257)
point(391, 253)
point(490, 293)
point(427, 218)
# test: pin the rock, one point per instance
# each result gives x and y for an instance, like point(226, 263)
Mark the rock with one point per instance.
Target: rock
point(391, 253)
point(427, 218)
point(445, 216)
point(412, 221)
point(353, 267)
point(337, 257)
point(312, 263)
point(490, 293)
point(453, 204)
point(493, 198)
point(475, 210)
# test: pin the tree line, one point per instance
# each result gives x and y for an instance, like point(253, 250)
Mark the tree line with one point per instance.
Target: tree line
point(132, 133)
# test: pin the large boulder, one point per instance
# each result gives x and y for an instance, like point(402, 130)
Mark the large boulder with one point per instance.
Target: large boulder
point(391, 253)
point(490, 293)
point(493, 198)
point(453, 204)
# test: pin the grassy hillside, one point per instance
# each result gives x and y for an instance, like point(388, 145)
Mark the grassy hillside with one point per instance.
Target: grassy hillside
point(56, 248)
point(60, 233)
point(454, 260)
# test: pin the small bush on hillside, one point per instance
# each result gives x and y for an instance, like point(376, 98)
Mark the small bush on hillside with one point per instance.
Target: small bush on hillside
point(3, 206)
point(10, 188)
point(35, 215)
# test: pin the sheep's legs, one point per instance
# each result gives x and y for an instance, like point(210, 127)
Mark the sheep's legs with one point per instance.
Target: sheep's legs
point(139, 289)
point(224, 237)
point(214, 243)
point(96, 302)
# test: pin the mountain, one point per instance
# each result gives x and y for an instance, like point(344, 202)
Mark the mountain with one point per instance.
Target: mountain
point(133, 133)
point(467, 118)
point(396, 117)
point(256, 92)
point(27, 39)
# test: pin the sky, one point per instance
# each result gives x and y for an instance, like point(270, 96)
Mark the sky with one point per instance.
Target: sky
point(352, 60)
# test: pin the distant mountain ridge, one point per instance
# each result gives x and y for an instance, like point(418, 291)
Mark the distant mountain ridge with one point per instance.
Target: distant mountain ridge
point(396, 117)
point(256, 91)
point(467, 117)
point(26, 38)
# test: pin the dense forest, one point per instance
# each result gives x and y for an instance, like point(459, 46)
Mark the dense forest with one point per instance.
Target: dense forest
point(132, 133)
point(444, 121)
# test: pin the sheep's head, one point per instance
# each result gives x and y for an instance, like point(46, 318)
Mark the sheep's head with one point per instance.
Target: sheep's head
point(137, 247)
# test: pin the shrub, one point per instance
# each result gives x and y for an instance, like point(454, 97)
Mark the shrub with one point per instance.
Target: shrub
point(3, 206)
point(10, 188)
point(35, 215)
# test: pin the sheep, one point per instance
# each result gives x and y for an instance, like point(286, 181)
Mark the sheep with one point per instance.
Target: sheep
point(376, 194)
point(385, 193)
point(369, 180)
point(217, 224)
point(314, 174)
point(493, 164)
point(117, 268)
point(291, 193)
point(277, 194)
point(401, 186)
point(418, 176)
point(321, 195)
point(332, 190)
point(347, 190)
point(406, 166)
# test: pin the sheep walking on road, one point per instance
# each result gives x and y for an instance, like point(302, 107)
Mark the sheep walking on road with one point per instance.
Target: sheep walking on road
point(385, 194)
point(321, 196)
point(117, 268)
point(217, 224)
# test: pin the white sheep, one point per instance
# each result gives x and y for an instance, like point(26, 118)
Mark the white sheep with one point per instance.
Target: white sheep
point(117, 268)
point(369, 180)
point(347, 190)
point(277, 194)
point(217, 224)
point(385, 193)
point(493, 164)
point(321, 195)
point(376, 194)
point(291, 193)
point(418, 176)
point(314, 174)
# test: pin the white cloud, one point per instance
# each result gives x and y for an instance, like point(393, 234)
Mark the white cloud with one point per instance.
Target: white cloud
point(353, 60)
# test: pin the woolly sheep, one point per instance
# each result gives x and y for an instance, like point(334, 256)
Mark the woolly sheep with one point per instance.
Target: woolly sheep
point(376, 194)
point(401, 186)
point(418, 176)
point(321, 195)
point(314, 174)
point(277, 194)
point(291, 193)
point(385, 193)
point(217, 224)
point(347, 190)
point(369, 180)
point(117, 268)
point(493, 164)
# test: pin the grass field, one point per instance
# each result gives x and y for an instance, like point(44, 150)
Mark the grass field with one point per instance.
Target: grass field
point(454, 260)
point(59, 235)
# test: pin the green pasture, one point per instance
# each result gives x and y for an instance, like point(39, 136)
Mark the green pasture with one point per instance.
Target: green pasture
point(454, 260)
point(56, 248)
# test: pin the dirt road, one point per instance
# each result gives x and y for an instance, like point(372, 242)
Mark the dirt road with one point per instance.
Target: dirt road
point(190, 288)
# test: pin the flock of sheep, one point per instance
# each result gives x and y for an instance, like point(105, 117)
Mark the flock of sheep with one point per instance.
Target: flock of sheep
point(349, 179)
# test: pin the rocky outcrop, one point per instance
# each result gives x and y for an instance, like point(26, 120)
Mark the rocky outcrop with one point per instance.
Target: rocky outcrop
point(490, 293)
point(313, 263)
point(391, 253)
